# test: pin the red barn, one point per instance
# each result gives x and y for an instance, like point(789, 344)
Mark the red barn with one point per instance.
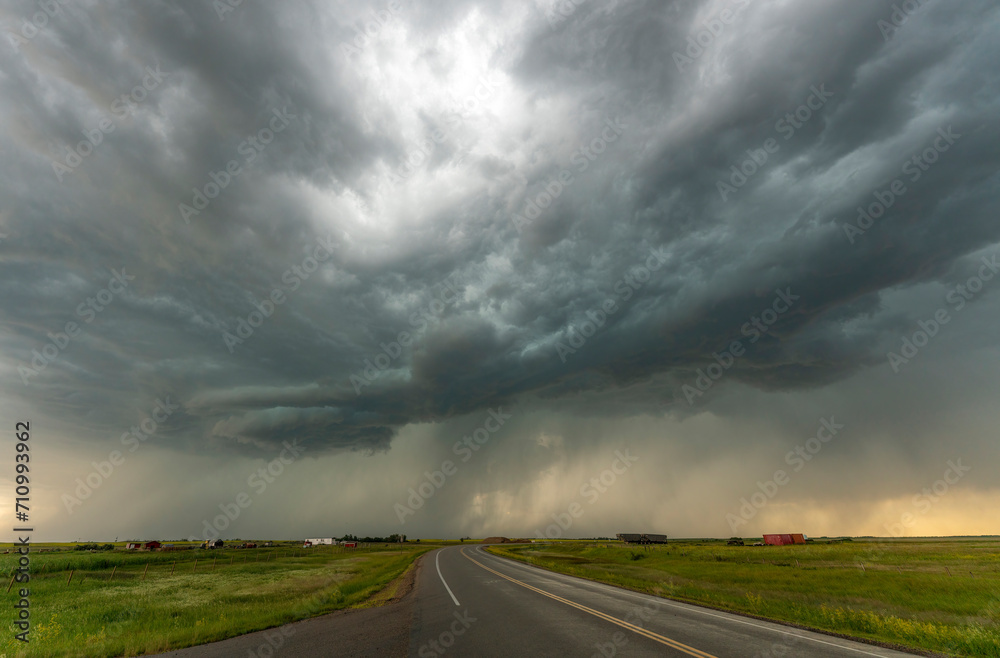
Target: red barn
point(784, 540)
point(152, 545)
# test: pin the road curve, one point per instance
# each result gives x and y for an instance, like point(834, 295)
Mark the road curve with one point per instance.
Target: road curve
point(473, 603)
point(467, 602)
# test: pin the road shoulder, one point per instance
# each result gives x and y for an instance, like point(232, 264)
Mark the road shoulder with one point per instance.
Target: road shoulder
point(379, 627)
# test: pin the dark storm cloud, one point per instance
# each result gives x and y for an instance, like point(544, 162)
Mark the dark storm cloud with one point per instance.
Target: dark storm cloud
point(518, 294)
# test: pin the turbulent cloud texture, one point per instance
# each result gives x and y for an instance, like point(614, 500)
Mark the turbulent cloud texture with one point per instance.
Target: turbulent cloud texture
point(695, 228)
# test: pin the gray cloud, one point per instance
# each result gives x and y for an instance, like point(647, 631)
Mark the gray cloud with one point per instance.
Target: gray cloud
point(513, 294)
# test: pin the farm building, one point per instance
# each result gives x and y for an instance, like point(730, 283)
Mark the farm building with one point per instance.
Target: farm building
point(642, 538)
point(320, 540)
point(218, 543)
point(350, 544)
point(152, 546)
point(133, 546)
point(784, 540)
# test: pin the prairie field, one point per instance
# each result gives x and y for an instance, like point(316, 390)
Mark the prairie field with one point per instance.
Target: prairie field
point(939, 595)
point(115, 603)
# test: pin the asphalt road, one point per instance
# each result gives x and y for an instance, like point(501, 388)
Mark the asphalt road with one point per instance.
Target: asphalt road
point(466, 602)
point(471, 603)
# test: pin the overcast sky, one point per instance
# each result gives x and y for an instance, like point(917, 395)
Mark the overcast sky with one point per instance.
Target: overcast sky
point(607, 236)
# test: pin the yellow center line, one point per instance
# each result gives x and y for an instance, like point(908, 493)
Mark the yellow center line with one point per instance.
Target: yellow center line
point(691, 651)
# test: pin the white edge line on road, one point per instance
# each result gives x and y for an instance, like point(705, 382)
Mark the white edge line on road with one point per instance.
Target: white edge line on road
point(694, 608)
point(437, 563)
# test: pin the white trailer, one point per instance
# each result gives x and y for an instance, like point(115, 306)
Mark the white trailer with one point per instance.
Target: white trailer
point(320, 540)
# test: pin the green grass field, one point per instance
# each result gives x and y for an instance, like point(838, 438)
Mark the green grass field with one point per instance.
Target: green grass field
point(937, 595)
point(178, 603)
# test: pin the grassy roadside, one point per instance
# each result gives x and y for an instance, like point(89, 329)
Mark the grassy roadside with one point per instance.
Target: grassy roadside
point(935, 595)
point(179, 604)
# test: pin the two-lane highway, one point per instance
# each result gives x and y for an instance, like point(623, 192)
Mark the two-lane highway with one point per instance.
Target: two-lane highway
point(472, 603)
point(467, 602)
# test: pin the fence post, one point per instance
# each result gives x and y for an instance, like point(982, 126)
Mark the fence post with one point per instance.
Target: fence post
point(115, 568)
point(195, 567)
point(144, 571)
point(174, 564)
point(70, 576)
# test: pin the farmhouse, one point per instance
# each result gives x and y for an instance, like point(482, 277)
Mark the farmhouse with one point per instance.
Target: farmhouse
point(320, 540)
point(784, 540)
